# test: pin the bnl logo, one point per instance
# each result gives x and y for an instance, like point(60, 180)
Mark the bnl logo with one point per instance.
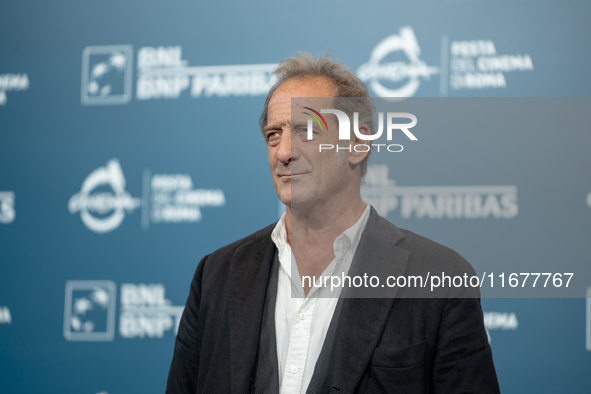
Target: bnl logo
point(106, 74)
point(89, 313)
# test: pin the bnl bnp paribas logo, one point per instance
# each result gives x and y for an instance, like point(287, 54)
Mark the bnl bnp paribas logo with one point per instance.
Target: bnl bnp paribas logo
point(162, 73)
point(437, 202)
point(103, 201)
point(90, 311)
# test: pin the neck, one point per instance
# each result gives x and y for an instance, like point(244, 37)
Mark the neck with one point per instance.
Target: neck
point(311, 232)
point(324, 222)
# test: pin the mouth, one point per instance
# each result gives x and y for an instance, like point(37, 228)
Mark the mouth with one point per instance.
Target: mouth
point(290, 175)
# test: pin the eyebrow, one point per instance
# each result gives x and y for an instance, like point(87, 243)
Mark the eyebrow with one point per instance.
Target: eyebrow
point(274, 126)
point(277, 126)
point(300, 123)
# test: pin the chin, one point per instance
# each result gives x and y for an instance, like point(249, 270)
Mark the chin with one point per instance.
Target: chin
point(301, 200)
point(284, 196)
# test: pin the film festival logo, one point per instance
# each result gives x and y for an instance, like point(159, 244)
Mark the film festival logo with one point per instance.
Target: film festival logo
point(90, 311)
point(162, 73)
point(103, 211)
point(477, 65)
point(499, 321)
point(173, 199)
point(437, 202)
point(396, 79)
point(103, 202)
point(12, 83)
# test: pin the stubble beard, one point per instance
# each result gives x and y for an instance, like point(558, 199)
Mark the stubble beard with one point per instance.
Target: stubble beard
point(342, 154)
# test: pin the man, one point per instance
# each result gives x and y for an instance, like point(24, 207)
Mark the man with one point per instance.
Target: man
point(254, 324)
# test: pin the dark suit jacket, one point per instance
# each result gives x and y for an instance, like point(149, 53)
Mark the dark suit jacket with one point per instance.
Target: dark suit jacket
point(380, 345)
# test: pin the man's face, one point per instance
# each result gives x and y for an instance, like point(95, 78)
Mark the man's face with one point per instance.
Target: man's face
point(301, 174)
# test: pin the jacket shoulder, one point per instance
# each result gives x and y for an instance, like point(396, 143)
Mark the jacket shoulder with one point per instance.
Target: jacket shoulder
point(424, 254)
point(433, 254)
point(414, 242)
point(225, 253)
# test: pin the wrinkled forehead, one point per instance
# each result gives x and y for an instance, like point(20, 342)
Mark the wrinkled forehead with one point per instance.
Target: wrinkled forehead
point(310, 105)
point(295, 94)
point(288, 107)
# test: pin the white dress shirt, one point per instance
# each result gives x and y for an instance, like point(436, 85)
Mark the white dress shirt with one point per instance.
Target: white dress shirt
point(301, 322)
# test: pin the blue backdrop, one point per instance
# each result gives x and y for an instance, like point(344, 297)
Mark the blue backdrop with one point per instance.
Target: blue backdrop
point(130, 148)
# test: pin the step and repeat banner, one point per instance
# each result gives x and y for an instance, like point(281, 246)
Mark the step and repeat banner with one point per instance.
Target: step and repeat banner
point(130, 148)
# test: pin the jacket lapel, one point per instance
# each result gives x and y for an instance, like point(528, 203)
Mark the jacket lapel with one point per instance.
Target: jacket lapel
point(362, 313)
point(249, 276)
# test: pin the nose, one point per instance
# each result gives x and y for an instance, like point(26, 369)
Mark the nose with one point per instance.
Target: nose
point(284, 150)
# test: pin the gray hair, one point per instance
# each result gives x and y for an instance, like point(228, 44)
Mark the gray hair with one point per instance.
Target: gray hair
point(347, 84)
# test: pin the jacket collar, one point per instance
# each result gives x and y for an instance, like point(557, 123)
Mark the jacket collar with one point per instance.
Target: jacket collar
point(250, 270)
point(361, 314)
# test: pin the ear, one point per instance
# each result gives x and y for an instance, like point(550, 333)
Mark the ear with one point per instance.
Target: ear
point(360, 148)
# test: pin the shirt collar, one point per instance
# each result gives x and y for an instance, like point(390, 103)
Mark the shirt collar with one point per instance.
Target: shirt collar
point(279, 234)
point(353, 233)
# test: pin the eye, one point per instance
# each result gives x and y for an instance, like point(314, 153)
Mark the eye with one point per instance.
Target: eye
point(273, 137)
point(302, 133)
